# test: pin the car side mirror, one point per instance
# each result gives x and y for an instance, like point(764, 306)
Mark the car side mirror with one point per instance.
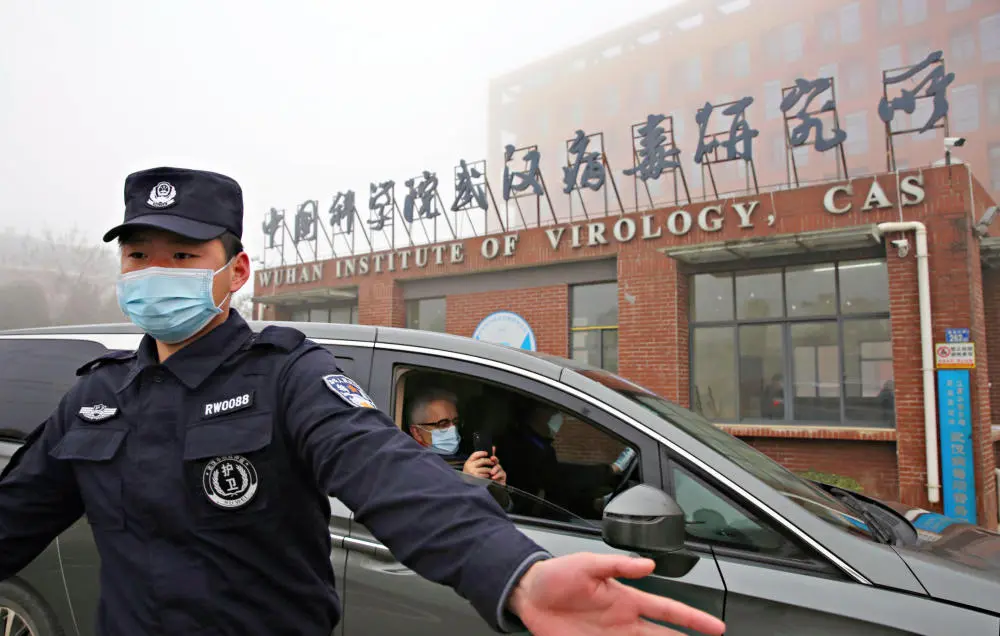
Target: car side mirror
point(648, 521)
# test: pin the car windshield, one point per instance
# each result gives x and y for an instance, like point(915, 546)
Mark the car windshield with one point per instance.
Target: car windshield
point(801, 491)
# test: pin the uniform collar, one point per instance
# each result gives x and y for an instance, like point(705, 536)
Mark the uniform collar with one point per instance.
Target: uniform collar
point(194, 363)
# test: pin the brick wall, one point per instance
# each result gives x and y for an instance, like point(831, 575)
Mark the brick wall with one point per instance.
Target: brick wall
point(652, 322)
point(582, 443)
point(653, 296)
point(872, 464)
point(545, 308)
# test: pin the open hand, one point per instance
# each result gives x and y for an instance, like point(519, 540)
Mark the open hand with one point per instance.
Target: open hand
point(578, 594)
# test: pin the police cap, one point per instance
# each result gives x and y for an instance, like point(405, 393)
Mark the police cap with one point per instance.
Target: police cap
point(197, 204)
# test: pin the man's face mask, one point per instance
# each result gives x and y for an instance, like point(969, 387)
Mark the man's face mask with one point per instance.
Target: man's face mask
point(444, 441)
point(170, 304)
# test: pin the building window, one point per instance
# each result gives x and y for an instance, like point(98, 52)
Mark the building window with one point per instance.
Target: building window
point(772, 99)
point(957, 5)
point(856, 127)
point(989, 38)
point(692, 73)
point(804, 344)
point(427, 314)
point(792, 39)
point(829, 70)
point(827, 28)
point(613, 101)
point(919, 50)
point(888, 12)
point(741, 59)
point(963, 48)
point(850, 23)
point(993, 100)
point(651, 87)
point(964, 116)
point(914, 11)
point(995, 166)
point(857, 80)
point(594, 325)
point(890, 57)
point(340, 314)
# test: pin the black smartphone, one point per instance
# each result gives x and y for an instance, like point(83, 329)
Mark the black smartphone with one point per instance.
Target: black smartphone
point(482, 441)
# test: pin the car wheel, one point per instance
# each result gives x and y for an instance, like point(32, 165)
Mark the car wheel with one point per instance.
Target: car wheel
point(23, 613)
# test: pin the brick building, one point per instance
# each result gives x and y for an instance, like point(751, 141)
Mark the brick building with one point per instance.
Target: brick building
point(708, 304)
point(722, 50)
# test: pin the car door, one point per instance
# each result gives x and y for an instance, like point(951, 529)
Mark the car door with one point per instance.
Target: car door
point(355, 362)
point(776, 585)
point(385, 597)
point(35, 373)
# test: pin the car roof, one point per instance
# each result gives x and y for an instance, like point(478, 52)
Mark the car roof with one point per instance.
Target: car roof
point(544, 364)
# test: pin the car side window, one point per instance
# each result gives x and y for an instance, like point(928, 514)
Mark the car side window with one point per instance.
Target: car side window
point(34, 376)
point(714, 518)
point(558, 466)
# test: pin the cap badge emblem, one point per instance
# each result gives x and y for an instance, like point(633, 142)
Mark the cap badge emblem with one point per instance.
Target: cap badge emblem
point(161, 196)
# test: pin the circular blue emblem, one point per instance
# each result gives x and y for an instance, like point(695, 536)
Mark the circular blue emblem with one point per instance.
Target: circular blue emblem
point(506, 328)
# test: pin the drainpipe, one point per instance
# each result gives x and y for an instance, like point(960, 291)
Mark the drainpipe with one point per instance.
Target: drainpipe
point(926, 349)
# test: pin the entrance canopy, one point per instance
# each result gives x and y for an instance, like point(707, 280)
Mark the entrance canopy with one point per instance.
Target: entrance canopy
point(850, 238)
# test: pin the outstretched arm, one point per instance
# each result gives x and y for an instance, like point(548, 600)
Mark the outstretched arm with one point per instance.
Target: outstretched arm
point(38, 498)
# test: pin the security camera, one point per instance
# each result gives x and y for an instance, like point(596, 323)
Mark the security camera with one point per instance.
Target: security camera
point(981, 227)
point(954, 142)
point(902, 247)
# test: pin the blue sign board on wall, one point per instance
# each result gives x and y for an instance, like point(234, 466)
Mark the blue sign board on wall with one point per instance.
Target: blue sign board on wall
point(957, 476)
point(506, 328)
point(956, 335)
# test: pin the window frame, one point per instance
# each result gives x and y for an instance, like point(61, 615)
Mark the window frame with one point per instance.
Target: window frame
point(353, 309)
point(387, 363)
point(785, 322)
point(814, 564)
point(601, 329)
point(416, 302)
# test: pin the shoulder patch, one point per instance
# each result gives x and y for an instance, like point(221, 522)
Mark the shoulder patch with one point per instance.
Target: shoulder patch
point(348, 390)
point(284, 338)
point(115, 356)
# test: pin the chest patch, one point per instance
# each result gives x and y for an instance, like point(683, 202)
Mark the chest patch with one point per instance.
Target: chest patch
point(348, 390)
point(97, 413)
point(228, 405)
point(230, 482)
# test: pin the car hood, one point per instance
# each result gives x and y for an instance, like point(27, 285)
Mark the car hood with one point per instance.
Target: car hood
point(953, 560)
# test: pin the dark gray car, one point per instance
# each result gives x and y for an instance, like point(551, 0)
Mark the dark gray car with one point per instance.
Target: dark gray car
point(734, 533)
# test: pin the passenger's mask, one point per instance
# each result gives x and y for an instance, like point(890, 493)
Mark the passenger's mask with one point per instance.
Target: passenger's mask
point(445, 441)
point(555, 423)
point(170, 304)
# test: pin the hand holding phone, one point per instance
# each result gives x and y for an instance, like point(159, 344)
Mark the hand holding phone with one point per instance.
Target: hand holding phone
point(482, 441)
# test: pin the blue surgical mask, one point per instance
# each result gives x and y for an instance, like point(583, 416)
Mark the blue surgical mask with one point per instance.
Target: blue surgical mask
point(445, 441)
point(555, 423)
point(170, 304)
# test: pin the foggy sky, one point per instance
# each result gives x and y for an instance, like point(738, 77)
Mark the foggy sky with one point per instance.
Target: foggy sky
point(294, 99)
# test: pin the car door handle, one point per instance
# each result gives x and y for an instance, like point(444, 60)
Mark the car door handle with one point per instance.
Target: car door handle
point(371, 548)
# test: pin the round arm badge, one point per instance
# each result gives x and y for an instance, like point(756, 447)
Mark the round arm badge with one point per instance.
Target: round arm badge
point(230, 482)
point(348, 390)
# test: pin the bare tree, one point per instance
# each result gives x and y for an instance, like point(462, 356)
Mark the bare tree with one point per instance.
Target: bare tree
point(24, 305)
point(243, 303)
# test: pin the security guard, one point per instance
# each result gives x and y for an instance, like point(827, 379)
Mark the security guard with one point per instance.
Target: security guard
point(203, 461)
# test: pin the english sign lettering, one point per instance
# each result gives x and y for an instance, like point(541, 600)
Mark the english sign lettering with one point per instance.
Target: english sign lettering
point(911, 192)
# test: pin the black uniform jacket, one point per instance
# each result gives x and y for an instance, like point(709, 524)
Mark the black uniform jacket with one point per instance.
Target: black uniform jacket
point(205, 481)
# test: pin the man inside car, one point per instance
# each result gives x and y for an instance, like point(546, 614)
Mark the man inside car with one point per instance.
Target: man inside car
point(434, 424)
